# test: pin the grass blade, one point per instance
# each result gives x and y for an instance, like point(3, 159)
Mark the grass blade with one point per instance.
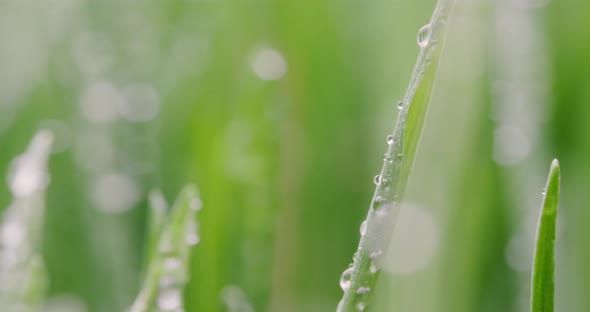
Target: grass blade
point(167, 272)
point(543, 283)
point(22, 269)
point(359, 280)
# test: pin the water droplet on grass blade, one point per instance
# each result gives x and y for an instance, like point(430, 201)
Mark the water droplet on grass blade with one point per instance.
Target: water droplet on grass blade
point(362, 290)
point(400, 104)
point(424, 35)
point(346, 279)
point(363, 228)
point(389, 139)
point(360, 306)
point(377, 179)
point(169, 300)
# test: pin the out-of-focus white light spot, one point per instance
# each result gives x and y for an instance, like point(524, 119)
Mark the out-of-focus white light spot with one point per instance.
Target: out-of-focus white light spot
point(61, 132)
point(99, 102)
point(94, 152)
point(12, 234)
point(518, 253)
point(414, 242)
point(27, 172)
point(511, 145)
point(64, 303)
point(115, 193)
point(235, 299)
point(142, 103)
point(170, 299)
point(269, 64)
point(92, 53)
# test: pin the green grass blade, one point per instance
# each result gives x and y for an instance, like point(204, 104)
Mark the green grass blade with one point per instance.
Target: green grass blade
point(358, 281)
point(167, 272)
point(24, 279)
point(543, 283)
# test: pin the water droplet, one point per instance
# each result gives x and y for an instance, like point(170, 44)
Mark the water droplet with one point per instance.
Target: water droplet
point(375, 254)
point(424, 35)
point(400, 104)
point(389, 139)
point(363, 289)
point(170, 299)
point(192, 239)
point(346, 279)
point(360, 306)
point(400, 156)
point(386, 157)
point(543, 192)
point(373, 268)
point(172, 263)
point(363, 228)
point(383, 209)
point(377, 179)
point(378, 201)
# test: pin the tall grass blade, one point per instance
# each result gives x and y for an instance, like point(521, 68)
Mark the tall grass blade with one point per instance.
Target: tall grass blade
point(22, 272)
point(167, 272)
point(543, 283)
point(358, 281)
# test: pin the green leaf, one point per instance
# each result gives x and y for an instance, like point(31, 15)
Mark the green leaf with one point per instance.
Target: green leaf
point(167, 272)
point(543, 283)
point(24, 279)
point(359, 280)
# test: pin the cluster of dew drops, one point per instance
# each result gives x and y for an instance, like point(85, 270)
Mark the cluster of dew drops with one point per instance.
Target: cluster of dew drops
point(382, 207)
point(174, 273)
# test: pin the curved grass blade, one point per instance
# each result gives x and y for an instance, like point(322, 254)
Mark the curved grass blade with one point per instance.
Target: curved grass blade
point(167, 272)
point(22, 272)
point(543, 283)
point(358, 281)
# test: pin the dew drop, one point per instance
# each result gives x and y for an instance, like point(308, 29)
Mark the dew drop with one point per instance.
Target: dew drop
point(192, 239)
point(172, 263)
point(360, 306)
point(382, 209)
point(375, 254)
point(390, 139)
point(363, 289)
point(400, 104)
point(378, 201)
point(363, 228)
point(400, 156)
point(170, 300)
point(543, 192)
point(346, 279)
point(377, 179)
point(424, 35)
point(373, 268)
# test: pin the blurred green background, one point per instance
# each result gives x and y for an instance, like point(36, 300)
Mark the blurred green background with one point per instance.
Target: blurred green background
point(278, 110)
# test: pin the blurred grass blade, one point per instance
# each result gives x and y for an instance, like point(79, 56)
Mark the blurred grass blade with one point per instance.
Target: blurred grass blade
point(543, 283)
point(157, 210)
point(358, 281)
point(24, 279)
point(167, 272)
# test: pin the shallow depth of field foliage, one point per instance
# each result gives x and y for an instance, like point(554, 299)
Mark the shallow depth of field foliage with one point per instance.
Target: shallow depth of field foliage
point(278, 110)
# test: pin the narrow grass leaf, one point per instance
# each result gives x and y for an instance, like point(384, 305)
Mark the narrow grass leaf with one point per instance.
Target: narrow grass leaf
point(543, 283)
point(167, 272)
point(24, 279)
point(359, 280)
